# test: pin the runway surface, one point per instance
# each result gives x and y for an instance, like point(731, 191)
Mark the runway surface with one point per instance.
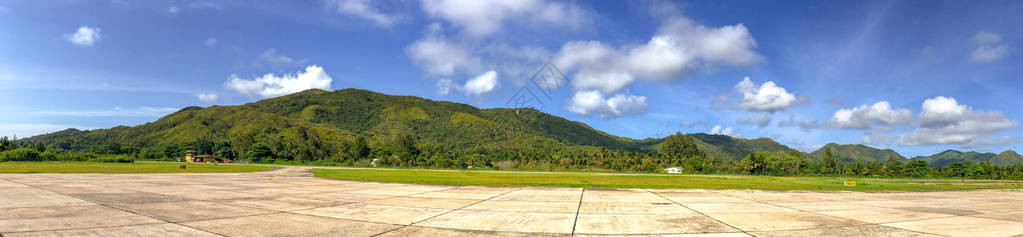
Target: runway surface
point(291, 202)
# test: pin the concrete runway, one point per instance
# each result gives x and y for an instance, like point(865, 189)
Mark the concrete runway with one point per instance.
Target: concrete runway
point(291, 202)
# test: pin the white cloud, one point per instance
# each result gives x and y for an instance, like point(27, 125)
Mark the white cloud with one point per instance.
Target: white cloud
point(27, 130)
point(727, 131)
point(877, 138)
point(767, 97)
point(864, 117)
point(680, 47)
point(481, 18)
point(481, 84)
point(271, 85)
point(593, 103)
point(207, 97)
point(944, 121)
point(271, 56)
point(761, 119)
point(439, 57)
point(444, 86)
point(212, 41)
point(84, 36)
point(989, 53)
point(144, 111)
point(984, 37)
point(173, 10)
point(203, 5)
point(366, 10)
point(988, 49)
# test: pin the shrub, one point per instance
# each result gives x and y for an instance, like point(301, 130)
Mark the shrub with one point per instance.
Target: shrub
point(20, 154)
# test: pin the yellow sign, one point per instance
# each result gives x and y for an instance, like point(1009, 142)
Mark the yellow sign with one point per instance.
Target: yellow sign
point(850, 183)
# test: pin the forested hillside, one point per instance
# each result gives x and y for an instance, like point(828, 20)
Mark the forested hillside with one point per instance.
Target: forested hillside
point(354, 127)
point(944, 158)
point(850, 153)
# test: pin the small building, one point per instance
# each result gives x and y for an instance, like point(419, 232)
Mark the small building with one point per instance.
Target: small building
point(192, 158)
point(673, 170)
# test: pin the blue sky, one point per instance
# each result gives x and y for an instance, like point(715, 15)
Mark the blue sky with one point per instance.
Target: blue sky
point(915, 76)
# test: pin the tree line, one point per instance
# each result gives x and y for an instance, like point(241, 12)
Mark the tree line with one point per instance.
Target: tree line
point(405, 149)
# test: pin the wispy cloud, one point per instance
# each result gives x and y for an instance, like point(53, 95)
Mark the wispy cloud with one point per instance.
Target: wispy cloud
point(144, 111)
point(28, 130)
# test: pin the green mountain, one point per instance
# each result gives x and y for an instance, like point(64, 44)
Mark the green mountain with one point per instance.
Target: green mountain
point(326, 118)
point(850, 153)
point(727, 148)
point(944, 158)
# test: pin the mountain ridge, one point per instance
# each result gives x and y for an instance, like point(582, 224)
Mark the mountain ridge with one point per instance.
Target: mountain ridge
point(323, 120)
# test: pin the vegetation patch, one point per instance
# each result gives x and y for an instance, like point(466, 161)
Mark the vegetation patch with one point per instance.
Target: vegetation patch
point(125, 168)
point(651, 181)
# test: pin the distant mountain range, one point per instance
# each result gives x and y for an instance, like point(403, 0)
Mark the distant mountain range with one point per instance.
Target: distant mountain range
point(324, 119)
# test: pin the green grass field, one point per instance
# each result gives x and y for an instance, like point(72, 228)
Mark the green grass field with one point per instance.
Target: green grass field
point(652, 181)
point(124, 168)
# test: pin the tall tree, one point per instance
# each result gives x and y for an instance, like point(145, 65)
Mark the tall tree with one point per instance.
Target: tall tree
point(679, 147)
point(830, 163)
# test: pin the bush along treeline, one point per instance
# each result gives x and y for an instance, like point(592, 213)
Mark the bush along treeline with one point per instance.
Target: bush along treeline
point(11, 150)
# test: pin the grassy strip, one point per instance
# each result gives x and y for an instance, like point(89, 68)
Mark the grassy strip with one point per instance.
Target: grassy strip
point(591, 180)
point(124, 168)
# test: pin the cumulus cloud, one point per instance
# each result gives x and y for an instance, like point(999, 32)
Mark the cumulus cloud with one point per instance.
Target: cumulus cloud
point(944, 121)
point(593, 102)
point(988, 48)
point(207, 97)
point(481, 84)
point(439, 57)
point(727, 131)
point(767, 97)
point(271, 85)
point(864, 117)
point(173, 10)
point(482, 18)
point(84, 36)
point(761, 119)
point(680, 47)
point(366, 10)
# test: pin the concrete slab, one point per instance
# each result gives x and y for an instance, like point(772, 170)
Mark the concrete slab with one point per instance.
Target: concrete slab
point(882, 215)
point(283, 203)
point(521, 206)
point(542, 195)
point(171, 230)
point(782, 221)
point(963, 226)
point(442, 203)
point(737, 207)
point(634, 208)
point(284, 224)
point(66, 217)
point(863, 230)
point(648, 224)
point(11, 201)
point(376, 213)
point(554, 223)
point(129, 198)
point(433, 232)
point(191, 210)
